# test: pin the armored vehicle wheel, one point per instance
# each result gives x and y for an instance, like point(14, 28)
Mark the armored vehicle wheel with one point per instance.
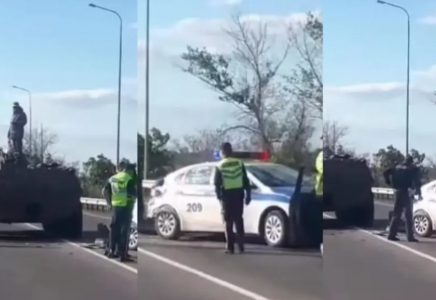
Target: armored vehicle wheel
point(68, 228)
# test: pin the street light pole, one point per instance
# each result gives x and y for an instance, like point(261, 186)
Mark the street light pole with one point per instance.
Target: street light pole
point(30, 116)
point(119, 75)
point(147, 90)
point(408, 69)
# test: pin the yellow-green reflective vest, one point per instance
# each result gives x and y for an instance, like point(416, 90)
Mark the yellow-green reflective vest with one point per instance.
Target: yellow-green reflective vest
point(119, 183)
point(319, 175)
point(231, 172)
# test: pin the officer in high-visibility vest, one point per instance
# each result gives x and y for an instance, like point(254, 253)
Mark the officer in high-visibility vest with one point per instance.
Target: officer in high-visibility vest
point(131, 170)
point(231, 181)
point(119, 189)
point(319, 174)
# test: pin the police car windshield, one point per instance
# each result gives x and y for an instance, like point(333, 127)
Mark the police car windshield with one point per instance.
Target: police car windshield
point(273, 175)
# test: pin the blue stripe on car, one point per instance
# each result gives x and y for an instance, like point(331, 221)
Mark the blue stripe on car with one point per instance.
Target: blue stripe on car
point(271, 197)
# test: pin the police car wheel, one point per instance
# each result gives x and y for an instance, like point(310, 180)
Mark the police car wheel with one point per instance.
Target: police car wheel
point(133, 239)
point(422, 224)
point(167, 225)
point(274, 229)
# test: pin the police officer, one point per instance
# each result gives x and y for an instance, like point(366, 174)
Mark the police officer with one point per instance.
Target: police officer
point(16, 129)
point(118, 190)
point(131, 170)
point(401, 178)
point(230, 183)
point(319, 174)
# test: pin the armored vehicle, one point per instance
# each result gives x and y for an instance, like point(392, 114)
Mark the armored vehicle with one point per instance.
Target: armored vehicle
point(347, 190)
point(47, 193)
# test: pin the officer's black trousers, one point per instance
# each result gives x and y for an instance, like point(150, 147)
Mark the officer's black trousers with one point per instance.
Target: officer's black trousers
point(120, 227)
point(233, 211)
point(402, 202)
point(17, 144)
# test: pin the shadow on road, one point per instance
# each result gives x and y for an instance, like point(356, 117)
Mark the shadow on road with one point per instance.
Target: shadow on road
point(334, 224)
point(39, 237)
point(261, 251)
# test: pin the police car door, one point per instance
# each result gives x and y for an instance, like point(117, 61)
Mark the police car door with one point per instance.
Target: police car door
point(195, 196)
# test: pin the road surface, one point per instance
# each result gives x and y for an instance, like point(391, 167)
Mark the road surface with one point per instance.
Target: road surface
point(36, 267)
point(197, 269)
point(360, 265)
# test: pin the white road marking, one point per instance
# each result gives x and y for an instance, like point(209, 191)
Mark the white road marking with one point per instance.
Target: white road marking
point(96, 216)
point(397, 244)
point(203, 275)
point(119, 264)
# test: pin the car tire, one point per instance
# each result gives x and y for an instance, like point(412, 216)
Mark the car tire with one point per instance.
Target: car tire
point(275, 229)
point(422, 224)
point(167, 225)
point(133, 239)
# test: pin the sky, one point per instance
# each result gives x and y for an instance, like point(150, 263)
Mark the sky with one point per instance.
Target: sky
point(176, 98)
point(365, 64)
point(66, 54)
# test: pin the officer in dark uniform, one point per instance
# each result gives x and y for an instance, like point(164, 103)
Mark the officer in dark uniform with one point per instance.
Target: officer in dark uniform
point(230, 183)
point(119, 191)
point(16, 130)
point(401, 178)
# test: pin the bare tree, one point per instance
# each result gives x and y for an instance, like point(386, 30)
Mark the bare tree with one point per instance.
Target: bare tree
point(207, 140)
point(306, 81)
point(43, 141)
point(333, 134)
point(245, 79)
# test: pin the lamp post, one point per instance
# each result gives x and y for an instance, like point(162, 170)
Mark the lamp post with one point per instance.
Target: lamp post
point(408, 68)
point(147, 89)
point(30, 115)
point(119, 74)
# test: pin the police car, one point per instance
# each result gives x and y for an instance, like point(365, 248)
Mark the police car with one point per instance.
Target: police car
point(133, 236)
point(185, 201)
point(424, 211)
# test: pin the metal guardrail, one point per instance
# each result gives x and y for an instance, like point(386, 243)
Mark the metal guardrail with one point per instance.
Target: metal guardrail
point(100, 204)
point(94, 204)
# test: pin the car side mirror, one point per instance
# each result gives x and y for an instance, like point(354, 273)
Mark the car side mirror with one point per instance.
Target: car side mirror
point(156, 193)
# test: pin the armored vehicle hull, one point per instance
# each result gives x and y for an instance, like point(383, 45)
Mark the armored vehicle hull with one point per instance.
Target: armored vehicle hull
point(347, 190)
point(47, 194)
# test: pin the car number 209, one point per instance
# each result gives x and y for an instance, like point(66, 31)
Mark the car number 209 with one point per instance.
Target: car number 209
point(194, 207)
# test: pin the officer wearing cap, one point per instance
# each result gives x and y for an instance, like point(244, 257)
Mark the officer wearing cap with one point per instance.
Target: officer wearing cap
point(401, 178)
point(231, 181)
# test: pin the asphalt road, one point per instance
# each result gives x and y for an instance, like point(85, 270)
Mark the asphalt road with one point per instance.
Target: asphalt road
point(197, 269)
point(36, 267)
point(360, 265)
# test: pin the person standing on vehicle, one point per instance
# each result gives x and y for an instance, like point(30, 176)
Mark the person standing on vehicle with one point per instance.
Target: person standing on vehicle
point(16, 130)
point(401, 178)
point(119, 188)
point(231, 181)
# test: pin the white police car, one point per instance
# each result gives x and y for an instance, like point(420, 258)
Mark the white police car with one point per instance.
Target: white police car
point(424, 211)
point(186, 201)
point(133, 236)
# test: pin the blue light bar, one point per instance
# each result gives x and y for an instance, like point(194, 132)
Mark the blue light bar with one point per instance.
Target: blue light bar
point(216, 155)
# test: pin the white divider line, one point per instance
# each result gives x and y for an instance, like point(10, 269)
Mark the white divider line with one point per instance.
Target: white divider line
point(396, 244)
point(115, 262)
point(205, 276)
